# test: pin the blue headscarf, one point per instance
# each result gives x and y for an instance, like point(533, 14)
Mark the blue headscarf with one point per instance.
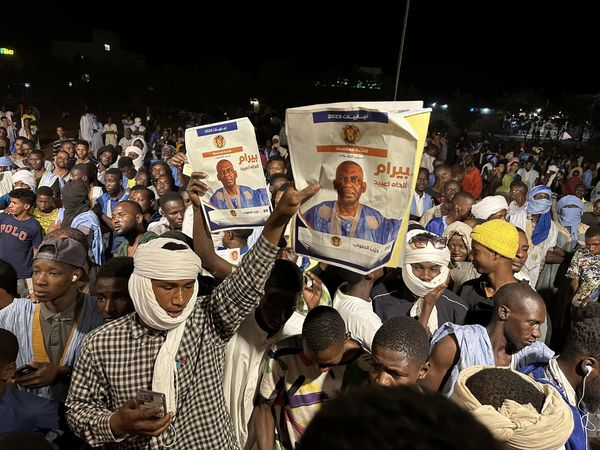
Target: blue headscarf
point(542, 207)
point(570, 217)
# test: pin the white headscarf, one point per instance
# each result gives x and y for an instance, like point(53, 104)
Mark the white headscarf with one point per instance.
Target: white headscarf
point(144, 146)
point(419, 287)
point(139, 161)
point(137, 121)
point(554, 169)
point(25, 176)
point(488, 206)
point(463, 230)
point(153, 261)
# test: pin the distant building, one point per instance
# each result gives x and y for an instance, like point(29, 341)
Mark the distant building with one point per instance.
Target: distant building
point(105, 48)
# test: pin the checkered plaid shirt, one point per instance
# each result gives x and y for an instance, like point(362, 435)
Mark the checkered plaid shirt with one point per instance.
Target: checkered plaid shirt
point(117, 359)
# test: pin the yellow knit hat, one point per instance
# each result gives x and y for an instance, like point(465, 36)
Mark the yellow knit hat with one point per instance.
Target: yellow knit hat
point(499, 236)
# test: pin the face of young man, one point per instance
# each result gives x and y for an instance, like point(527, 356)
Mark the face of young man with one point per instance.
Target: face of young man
point(113, 184)
point(16, 207)
point(143, 199)
point(522, 323)
point(82, 152)
point(35, 162)
point(276, 307)
point(62, 160)
point(392, 368)
point(44, 203)
point(174, 212)
point(124, 219)
point(112, 297)
point(173, 296)
point(52, 279)
point(327, 358)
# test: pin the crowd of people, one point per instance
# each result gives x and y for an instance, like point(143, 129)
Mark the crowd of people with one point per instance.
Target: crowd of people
point(126, 323)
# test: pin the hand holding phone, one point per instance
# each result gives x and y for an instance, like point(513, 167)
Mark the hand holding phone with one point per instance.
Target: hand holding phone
point(150, 399)
point(24, 370)
point(131, 419)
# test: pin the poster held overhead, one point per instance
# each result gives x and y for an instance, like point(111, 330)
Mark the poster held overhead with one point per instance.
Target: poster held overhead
point(364, 157)
point(228, 153)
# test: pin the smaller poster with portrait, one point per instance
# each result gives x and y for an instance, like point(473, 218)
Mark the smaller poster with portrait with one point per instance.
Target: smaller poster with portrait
point(228, 153)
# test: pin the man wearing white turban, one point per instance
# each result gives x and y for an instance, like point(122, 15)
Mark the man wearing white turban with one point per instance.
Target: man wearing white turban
point(490, 208)
point(174, 344)
point(419, 288)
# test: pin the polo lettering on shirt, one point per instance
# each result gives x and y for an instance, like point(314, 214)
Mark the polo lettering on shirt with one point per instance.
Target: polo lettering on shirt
point(13, 230)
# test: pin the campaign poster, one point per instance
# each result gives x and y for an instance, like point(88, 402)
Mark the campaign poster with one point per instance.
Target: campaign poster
point(364, 157)
point(228, 153)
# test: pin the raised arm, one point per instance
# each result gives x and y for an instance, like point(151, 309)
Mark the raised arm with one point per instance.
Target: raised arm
point(203, 244)
point(239, 293)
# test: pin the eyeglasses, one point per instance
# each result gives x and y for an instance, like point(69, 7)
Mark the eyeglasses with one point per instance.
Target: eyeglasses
point(421, 240)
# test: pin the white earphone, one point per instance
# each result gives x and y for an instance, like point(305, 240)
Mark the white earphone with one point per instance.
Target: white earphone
point(74, 279)
point(588, 369)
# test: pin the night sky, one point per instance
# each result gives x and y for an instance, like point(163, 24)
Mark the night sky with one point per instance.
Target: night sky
point(482, 47)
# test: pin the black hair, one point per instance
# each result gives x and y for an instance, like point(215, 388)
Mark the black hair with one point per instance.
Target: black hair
point(8, 278)
point(45, 191)
point(9, 347)
point(139, 187)
point(117, 267)
point(39, 153)
point(27, 196)
point(276, 158)
point(284, 275)
point(395, 418)
point(106, 149)
point(495, 385)
point(28, 142)
point(519, 184)
point(84, 143)
point(124, 161)
point(170, 196)
point(424, 169)
point(323, 327)
point(592, 231)
point(403, 335)
point(584, 337)
point(115, 172)
point(462, 195)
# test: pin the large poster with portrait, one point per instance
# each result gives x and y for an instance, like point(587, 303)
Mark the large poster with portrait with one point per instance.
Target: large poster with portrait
point(364, 157)
point(228, 153)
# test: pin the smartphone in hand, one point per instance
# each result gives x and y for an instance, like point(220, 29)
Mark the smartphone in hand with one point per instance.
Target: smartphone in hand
point(24, 370)
point(150, 399)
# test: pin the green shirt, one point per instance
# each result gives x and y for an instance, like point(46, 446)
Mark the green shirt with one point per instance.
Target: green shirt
point(122, 249)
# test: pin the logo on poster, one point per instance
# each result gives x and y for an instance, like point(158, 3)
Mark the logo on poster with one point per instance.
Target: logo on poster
point(336, 241)
point(219, 141)
point(350, 134)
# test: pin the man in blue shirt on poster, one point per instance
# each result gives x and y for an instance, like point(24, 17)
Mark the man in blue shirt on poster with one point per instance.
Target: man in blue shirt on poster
point(346, 216)
point(232, 195)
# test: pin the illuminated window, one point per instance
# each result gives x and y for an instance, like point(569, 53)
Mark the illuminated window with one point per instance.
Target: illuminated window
point(107, 47)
